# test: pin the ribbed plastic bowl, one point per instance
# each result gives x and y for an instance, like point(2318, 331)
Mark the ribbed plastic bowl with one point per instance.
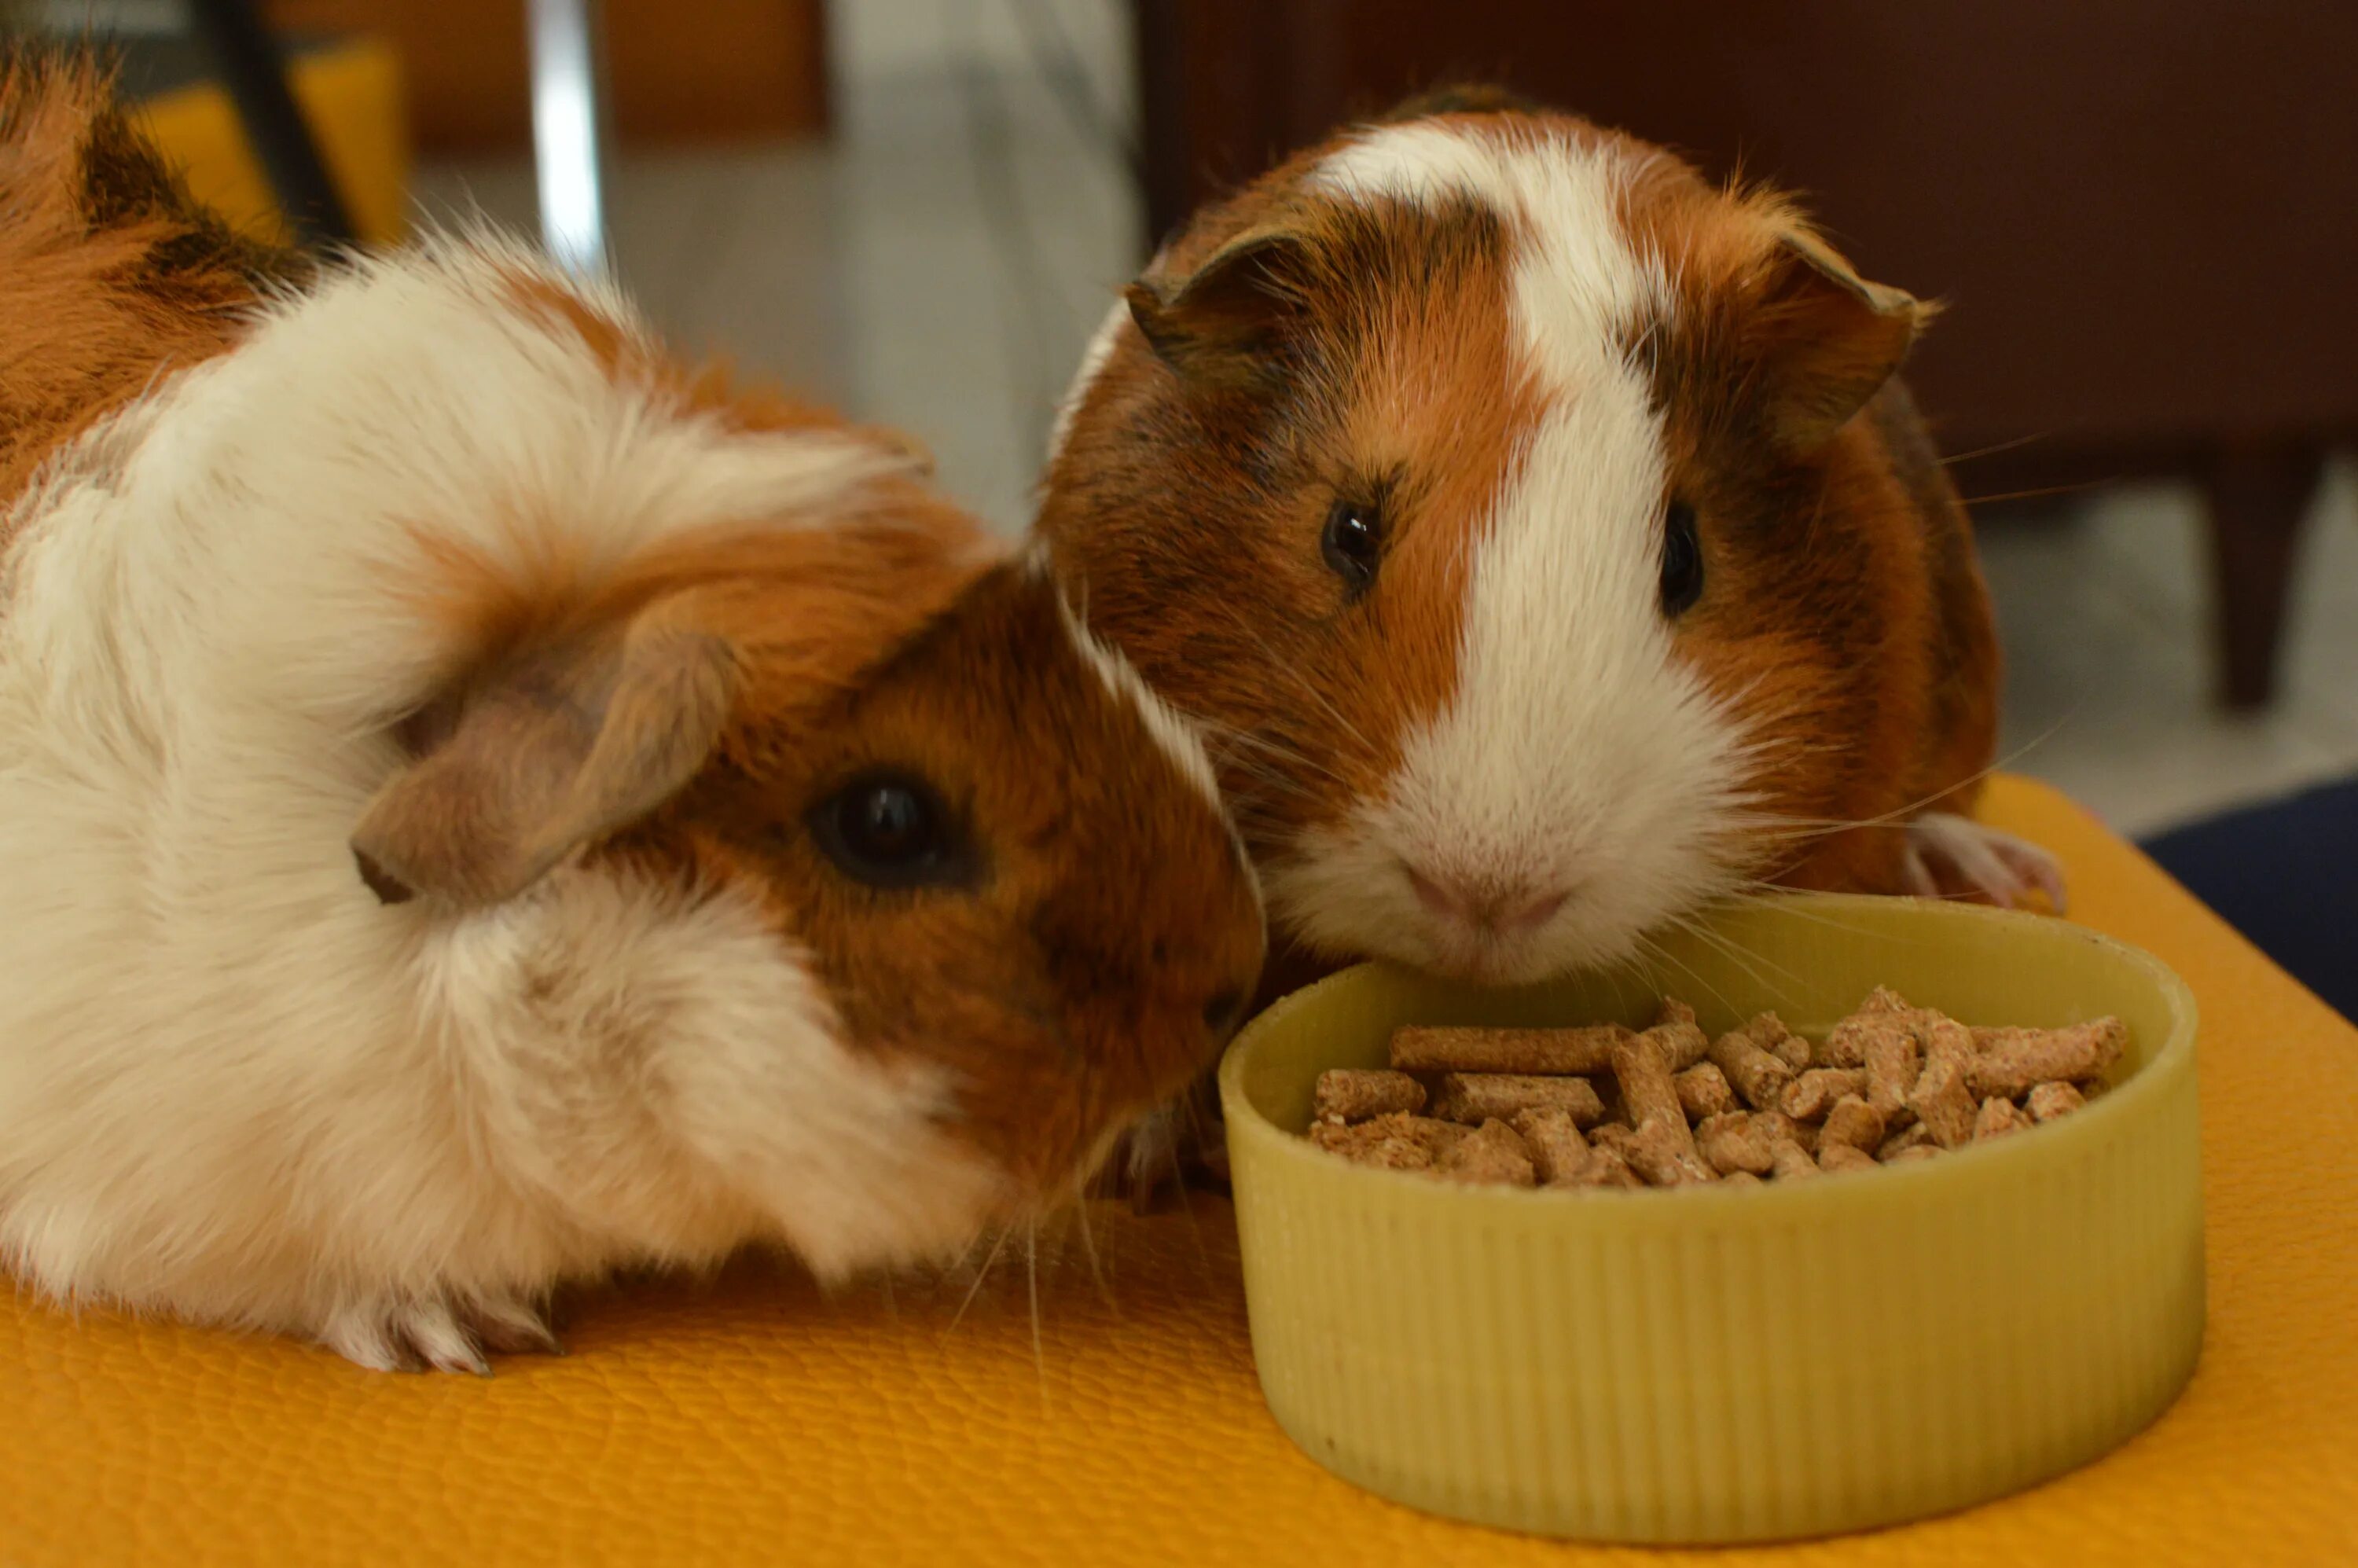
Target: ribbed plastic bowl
point(1713, 1366)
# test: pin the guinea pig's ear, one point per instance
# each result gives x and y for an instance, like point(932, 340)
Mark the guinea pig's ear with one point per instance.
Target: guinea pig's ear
point(1225, 320)
point(1825, 339)
point(545, 753)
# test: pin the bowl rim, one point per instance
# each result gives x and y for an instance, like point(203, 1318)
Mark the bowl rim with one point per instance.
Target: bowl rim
point(2175, 1053)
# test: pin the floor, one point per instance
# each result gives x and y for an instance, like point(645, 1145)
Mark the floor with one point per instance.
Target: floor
point(943, 263)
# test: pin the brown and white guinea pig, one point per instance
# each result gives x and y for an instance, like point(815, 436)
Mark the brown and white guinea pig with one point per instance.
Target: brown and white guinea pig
point(1543, 535)
point(482, 804)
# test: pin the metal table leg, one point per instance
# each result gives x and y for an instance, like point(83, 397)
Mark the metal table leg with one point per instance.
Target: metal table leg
point(568, 127)
point(255, 78)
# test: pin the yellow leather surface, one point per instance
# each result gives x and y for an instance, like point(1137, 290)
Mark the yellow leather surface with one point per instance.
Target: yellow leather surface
point(753, 1419)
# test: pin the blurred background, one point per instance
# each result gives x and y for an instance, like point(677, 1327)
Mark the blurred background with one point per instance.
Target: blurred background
point(2142, 218)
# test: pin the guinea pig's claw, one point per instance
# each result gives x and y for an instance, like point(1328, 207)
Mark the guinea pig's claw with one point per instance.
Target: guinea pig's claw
point(1950, 855)
point(417, 1337)
point(439, 1341)
point(512, 1328)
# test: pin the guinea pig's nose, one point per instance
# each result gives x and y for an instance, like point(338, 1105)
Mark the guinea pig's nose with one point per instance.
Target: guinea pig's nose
point(1511, 909)
point(1225, 1011)
point(1532, 914)
point(1439, 897)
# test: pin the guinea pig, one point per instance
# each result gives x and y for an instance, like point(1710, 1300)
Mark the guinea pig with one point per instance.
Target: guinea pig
point(1545, 539)
point(485, 804)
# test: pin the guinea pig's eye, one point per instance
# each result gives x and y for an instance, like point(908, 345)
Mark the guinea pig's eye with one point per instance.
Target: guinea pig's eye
point(1681, 559)
point(892, 830)
point(1352, 543)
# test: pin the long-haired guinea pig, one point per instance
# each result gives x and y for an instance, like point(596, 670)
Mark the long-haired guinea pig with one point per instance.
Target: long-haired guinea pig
point(483, 804)
point(1541, 532)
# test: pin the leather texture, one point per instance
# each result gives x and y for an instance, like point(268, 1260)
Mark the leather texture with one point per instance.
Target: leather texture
point(753, 1418)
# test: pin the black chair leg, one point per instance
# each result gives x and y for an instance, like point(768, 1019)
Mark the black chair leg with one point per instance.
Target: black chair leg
point(255, 77)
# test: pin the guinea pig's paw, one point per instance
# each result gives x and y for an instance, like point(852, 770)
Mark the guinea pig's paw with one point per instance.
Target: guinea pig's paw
point(1168, 1151)
point(408, 1335)
point(1143, 1163)
point(1951, 856)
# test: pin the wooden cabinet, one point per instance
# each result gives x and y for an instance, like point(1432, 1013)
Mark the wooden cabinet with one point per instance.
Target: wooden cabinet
point(677, 70)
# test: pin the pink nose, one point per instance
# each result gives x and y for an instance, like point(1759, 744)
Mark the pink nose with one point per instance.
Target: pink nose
point(1509, 910)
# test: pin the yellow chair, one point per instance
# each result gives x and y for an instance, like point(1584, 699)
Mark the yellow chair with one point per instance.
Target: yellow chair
point(349, 93)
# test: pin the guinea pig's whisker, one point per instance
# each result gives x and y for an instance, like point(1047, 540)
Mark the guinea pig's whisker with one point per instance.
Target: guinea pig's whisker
point(1257, 774)
point(1031, 1288)
point(1990, 452)
point(1734, 951)
point(1271, 746)
point(1195, 1230)
point(1804, 829)
point(1301, 682)
point(2081, 488)
point(980, 1275)
point(1274, 751)
point(1089, 1252)
point(1663, 955)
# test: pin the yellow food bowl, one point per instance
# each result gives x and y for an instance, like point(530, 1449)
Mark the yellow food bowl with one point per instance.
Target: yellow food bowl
point(1710, 1365)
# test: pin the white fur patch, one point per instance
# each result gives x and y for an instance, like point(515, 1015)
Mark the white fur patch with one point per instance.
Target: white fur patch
point(235, 1085)
point(1173, 733)
point(1577, 756)
point(1093, 359)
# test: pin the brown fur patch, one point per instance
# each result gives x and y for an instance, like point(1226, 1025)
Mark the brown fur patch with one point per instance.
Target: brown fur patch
point(1058, 1001)
point(110, 274)
point(1843, 611)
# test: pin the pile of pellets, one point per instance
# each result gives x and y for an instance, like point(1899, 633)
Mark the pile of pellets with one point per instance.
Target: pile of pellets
point(1604, 1106)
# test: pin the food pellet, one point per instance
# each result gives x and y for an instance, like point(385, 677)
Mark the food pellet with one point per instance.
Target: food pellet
point(1492, 1153)
point(1852, 1121)
point(1663, 1152)
point(1478, 1097)
point(1837, 1157)
point(1646, 1093)
point(1909, 1137)
point(1422, 1050)
point(2010, 1062)
point(1604, 1106)
point(1758, 1076)
point(1355, 1094)
point(1613, 1137)
point(1998, 1118)
point(1846, 1042)
point(1892, 1064)
point(1388, 1141)
point(1704, 1091)
point(1810, 1096)
point(1559, 1154)
point(1941, 1099)
point(2051, 1101)
point(1736, 1141)
point(1769, 1031)
point(1606, 1168)
point(1676, 1034)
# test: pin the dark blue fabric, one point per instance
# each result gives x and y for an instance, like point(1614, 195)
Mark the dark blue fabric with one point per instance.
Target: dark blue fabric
point(2286, 875)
